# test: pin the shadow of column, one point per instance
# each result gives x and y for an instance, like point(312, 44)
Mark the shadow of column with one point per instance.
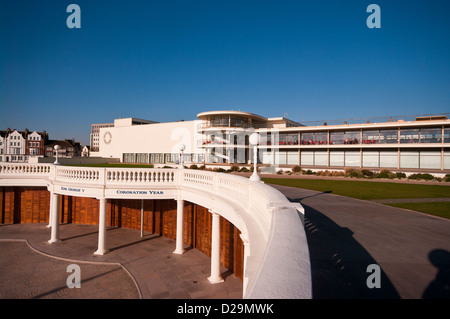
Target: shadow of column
point(339, 263)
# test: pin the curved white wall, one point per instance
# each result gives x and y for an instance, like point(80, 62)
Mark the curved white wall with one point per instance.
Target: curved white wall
point(276, 264)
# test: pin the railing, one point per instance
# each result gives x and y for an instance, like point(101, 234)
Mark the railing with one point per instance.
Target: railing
point(18, 169)
point(258, 204)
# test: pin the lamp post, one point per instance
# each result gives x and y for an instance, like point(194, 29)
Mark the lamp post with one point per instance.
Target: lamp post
point(182, 148)
point(56, 147)
point(254, 141)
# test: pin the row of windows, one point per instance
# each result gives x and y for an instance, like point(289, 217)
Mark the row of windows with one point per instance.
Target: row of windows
point(161, 158)
point(385, 136)
point(402, 136)
point(425, 159)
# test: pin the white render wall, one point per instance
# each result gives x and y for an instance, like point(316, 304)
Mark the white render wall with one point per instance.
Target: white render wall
point(149, 138)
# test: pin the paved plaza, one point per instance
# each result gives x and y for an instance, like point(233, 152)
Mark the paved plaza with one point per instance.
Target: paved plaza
point(134, 267)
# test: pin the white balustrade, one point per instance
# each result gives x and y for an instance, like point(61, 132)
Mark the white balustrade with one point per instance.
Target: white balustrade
point(257, 201)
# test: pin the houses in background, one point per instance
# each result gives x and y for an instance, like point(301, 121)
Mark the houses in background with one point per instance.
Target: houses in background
point(19, 146)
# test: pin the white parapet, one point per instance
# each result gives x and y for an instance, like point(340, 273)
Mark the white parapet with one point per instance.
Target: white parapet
point(276, 262)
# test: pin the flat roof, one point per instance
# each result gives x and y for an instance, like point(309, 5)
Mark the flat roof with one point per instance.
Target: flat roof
point(238, 113)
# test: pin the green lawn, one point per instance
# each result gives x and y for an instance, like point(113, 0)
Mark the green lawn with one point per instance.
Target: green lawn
point(377, 190)
point(366, 190)
point(441, 209)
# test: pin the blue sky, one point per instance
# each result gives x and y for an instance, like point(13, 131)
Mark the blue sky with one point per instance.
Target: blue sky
point(169, 60)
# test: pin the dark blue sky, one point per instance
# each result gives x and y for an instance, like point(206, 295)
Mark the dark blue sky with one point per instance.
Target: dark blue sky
point(169, 60)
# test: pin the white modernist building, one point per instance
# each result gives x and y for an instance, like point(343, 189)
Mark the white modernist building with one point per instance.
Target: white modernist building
point(418, 143)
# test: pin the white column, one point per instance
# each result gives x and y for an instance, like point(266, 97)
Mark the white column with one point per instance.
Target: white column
point(50, 213)
point(244, 238)
point(180, 233)
point(215, 250)
point(54, 218)
point(101, 228)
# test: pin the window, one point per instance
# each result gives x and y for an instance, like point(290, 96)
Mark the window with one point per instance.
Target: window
point(307, 139)
point(288, 139)
point(388, 136)
point(141, 158)
point(337, 138)
point(431, 135)
point(447, 135)
point(128, 158)
point(389, 159)
point(336, 158)
point(409, 136)
point(352, 137)
point(430, 159)
point(352, 158)
point(321, 138)
point(370, 159)
point(409, 159)
point(307, 158)
point(321, 158)
point(371, 137)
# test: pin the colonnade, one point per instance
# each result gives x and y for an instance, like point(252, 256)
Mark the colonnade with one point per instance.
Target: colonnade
point(215, 276)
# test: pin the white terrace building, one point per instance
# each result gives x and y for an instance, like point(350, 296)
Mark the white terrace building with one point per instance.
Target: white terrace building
point(418, 143)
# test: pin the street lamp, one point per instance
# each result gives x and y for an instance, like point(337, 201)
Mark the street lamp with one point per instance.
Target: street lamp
point(182, 148)
point(56, 147)
point(254, 141)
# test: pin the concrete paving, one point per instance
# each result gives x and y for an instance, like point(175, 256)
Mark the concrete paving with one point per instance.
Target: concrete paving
point(347, 235)
point(133, 268)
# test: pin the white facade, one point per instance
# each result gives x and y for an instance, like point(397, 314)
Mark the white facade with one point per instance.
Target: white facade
point(34, 143)
point(222, 137)
point(143, 140)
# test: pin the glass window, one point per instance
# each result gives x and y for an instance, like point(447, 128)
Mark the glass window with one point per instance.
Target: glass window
point(128, 158)
point(321, 158)
point(239, 122)
point(446, 160)
point(447, 135)
point(219, 121)
point(370, 159)
point(280, 157)
point(321, 138)
point(307, 158)
point(288, 139)
point(389, 159)
point(337, 138)
point(371, 137)
point(352, 137)
point(141, 158)
point(430, 159)
point(336, 158)
point(307, 139)
point(292, 157)
point(352, 158)
point(409, 136)
point(409, 159)
point(431, 135)
point(265, 156)
point(388, 136)
point(265, 138)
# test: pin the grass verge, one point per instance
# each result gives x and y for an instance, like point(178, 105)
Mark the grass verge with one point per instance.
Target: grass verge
point(441, 209)
point(378, 190)
point(366, 190)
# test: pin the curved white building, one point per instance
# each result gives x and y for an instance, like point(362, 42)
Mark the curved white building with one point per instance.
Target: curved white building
point(419, 143)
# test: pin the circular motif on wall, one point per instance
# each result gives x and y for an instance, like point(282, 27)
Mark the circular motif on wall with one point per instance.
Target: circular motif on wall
point(107, 137)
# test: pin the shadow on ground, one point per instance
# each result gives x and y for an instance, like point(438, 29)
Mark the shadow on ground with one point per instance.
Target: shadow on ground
point(339, 263)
